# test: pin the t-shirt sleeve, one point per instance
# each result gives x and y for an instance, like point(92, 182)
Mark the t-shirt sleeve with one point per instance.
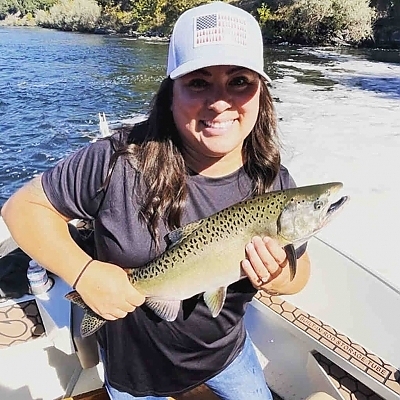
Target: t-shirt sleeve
point(74, 185)
point(285, 181)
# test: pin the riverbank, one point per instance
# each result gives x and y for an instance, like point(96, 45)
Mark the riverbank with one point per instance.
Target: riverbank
point(386, 36)
point(295, 23)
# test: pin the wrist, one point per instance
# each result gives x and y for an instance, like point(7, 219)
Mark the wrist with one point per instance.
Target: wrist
point(81, 272)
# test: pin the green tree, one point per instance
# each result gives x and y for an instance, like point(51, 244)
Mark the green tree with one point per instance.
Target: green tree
point(324, 21)
point(177, 7)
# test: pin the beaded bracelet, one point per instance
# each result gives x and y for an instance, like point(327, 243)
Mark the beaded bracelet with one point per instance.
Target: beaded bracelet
point(81, 273)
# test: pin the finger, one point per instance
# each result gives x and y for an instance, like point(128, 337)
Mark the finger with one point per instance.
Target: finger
point(262, 260)
point(108, 317)
point(112, 314)
point(256, 262)
point(127, 307)
point(251, 274)
point(134, 298)
point(276, 251)
point(117, 313)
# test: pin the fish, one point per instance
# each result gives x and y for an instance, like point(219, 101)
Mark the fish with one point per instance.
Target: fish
point(204, 257)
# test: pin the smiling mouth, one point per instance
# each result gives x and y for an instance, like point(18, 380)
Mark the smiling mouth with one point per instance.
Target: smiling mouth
point(217, 125)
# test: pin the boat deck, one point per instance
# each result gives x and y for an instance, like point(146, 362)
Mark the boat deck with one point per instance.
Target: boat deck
point(200, 393)
point(21, 323)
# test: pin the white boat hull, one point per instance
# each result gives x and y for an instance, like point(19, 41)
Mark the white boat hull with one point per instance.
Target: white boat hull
point(337, 336)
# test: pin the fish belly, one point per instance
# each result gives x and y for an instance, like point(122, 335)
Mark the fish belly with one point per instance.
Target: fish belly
point(207, 268)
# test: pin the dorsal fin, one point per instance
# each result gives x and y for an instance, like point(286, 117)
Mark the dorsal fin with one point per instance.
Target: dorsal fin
point(176, 236)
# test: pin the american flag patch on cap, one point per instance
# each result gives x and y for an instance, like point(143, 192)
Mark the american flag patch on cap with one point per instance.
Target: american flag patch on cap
point(219, 28)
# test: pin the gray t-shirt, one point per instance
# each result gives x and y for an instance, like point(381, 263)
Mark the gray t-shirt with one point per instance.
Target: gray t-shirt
point(144, 354)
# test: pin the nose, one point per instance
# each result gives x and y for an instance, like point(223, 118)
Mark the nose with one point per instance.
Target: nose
point(219, 99)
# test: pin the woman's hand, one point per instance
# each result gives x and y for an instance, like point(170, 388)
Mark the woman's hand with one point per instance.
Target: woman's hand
point(105, 288)
point(267, 267)
point(265, 261)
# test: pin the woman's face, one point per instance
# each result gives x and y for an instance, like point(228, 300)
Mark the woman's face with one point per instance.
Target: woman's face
point(215, 109)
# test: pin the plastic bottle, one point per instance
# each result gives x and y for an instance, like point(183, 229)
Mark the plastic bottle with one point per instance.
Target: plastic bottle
point(38, 279)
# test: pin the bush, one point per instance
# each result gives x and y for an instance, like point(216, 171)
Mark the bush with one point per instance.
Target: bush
point(8, 7)
point(23, 8)
point(71, 15)
point(146, 15)
point(17, 20)
point(325, 21)
point(267, 20)
point(115, 19)
point(264, 14)
point(176, 8)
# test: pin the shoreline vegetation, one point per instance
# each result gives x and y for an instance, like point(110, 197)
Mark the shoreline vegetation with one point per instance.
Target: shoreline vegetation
point(358, 23)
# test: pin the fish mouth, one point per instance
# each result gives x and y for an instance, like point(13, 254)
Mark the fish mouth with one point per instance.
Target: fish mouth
point(334, 207)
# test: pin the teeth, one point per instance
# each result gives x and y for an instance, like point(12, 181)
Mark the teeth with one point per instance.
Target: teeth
point(218, 125)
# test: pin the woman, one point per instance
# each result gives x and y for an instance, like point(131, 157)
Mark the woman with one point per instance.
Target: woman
point(209, 142)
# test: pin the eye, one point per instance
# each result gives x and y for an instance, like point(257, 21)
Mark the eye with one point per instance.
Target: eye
point(239, 81)
point(244, 79)
point(318, 205)
point(197, 84)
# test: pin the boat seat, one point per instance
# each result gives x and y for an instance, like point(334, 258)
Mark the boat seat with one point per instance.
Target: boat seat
point(320, 396)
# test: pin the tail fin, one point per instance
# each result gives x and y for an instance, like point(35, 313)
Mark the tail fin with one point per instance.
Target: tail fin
point(91, 321)
point(76, 298)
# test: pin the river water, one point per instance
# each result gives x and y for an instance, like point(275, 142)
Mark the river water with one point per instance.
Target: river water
point(339, 112)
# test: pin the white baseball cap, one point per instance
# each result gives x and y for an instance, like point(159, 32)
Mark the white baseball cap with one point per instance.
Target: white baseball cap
point(215, 34)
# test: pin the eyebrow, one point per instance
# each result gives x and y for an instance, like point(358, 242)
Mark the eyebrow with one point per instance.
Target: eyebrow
point(203, 71)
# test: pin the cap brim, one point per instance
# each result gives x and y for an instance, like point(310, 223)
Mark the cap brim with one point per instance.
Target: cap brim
point(196, 64)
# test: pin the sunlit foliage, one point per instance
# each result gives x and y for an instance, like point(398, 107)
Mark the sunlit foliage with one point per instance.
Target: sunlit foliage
point(324, 21)
point(145, 15)
point(71, 15)
point(23, 7)
point(294, 21)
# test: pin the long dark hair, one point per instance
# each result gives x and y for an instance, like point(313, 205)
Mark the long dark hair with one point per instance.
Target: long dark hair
point(158, 158)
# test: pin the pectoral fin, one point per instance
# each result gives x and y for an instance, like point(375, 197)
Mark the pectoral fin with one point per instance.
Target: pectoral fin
point(292, 259)
point(215, 300)
point(165, 309)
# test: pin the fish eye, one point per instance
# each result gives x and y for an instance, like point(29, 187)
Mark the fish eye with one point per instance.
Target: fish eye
point(318, 205)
